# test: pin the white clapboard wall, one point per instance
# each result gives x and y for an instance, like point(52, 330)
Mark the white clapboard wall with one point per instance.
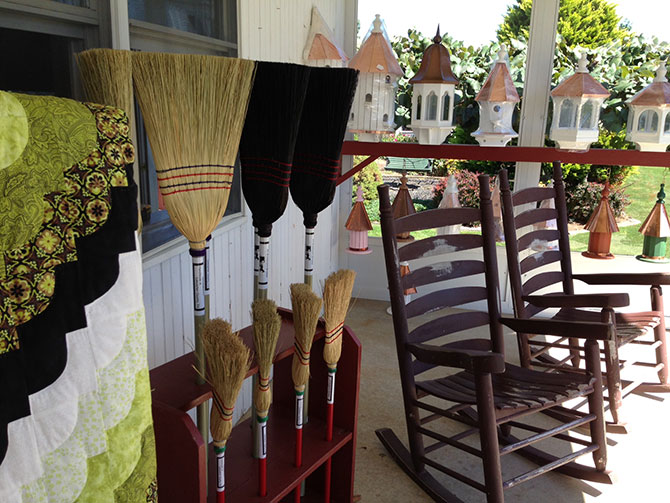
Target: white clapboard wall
point(273, 31)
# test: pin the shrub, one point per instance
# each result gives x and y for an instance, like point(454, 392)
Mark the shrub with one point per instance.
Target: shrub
point(468, 188)
point(368, 178)
point(582, 200)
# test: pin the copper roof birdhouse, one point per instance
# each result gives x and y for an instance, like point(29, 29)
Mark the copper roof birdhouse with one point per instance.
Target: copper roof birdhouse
point(601, 225)
point(321, 48)
point(358, 224)
point(656, 229)
point(403, 206)
point(649, 117)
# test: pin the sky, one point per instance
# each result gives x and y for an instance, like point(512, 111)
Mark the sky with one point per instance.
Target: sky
point(475, 21)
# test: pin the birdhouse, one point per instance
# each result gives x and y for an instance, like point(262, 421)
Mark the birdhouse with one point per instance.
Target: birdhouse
point(656, 229)
point(403, 206)
point(601, 225)
point(373, 108)
point(450, 200)
point(321, 48)
point(577, 101)
point(649, 115)
point(497, 99)
point(433, 95)
point(358, 224)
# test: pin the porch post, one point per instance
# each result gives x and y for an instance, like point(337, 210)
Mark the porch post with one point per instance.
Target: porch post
point(535, 101)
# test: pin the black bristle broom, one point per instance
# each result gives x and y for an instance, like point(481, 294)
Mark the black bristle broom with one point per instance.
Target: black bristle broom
point(316, 161)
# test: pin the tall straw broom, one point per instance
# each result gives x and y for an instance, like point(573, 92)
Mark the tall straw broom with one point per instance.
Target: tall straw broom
point(266, 325)
point(194, 108)
point(266, 151)
point(228, 362)
point(336, 296)
point(306, 310)
point(316, 161)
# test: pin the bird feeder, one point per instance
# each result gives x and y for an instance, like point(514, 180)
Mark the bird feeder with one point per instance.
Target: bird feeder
point(403, 206)
point(656, 229)
point(649, 115)
point(373, 108)
point(450, 200)
point(358, 224)
point(497, 99)
point(601, 225)
point(577, 101)
point(321, 48)
point(433, 95)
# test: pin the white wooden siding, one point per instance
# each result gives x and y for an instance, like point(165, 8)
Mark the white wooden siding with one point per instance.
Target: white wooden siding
point(268, 30)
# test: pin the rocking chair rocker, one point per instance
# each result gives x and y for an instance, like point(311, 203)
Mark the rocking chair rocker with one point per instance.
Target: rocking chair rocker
point(520, 211)
point(478, 388)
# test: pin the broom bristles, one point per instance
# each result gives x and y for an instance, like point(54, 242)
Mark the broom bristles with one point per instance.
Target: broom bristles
point(267, 324)
point(107, 77)
point(306, 309)
point(228, 361)
point(194, 108)
point(336, 296)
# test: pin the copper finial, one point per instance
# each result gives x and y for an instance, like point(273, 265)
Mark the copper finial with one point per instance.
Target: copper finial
point(437, 39)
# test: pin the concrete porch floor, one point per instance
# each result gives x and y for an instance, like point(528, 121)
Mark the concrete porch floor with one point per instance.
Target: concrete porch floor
point(639, 459)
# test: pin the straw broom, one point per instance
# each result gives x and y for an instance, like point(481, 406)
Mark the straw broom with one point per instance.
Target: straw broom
point(306, 310)
point(194, 108)
point(336, 296)
point(266, 323)
point(228, 362)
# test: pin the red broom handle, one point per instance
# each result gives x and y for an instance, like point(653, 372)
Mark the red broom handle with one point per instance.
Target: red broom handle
point(330, 409)
point(262, 455)
point(326, 483)
point(262, 477)
point(221, 474)
point(299, 401)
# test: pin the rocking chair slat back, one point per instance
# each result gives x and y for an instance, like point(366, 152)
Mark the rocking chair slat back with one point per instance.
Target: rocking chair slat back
point(442, 271)
point(533, 195)
point(449, 297)
point(539, 259)
point(542, 280)
point(447, 325)
point(534, 216)
point(436, 218)
point(439, 245)
point(537, 236)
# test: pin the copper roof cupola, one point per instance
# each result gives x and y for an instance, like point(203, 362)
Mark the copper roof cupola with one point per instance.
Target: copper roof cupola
point(649, 115)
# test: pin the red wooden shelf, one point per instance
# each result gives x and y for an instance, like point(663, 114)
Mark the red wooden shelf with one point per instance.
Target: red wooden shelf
point(181, 450)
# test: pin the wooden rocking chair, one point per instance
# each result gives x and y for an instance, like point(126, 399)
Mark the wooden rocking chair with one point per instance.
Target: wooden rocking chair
point(528, 252)
point(487, 395)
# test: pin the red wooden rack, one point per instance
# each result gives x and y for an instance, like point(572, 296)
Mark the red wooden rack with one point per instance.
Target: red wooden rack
point(181, 450)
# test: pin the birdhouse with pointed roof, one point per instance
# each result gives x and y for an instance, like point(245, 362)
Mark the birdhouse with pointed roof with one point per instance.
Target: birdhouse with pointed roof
point(649, 115)
point(656, 230)
point(497, 99)
point(358, 224)
point(321, 48)
point(403, 206)
point(577, 101)
point(373, 109)
point(601, 226)
point(433, 95)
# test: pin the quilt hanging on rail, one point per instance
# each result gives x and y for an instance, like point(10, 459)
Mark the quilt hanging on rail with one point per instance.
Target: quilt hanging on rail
point(75, 402)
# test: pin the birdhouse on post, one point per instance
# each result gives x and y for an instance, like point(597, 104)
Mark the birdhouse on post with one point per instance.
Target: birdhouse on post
point(433, 95)
point(577, 101)
point(649, 115)
point(373, 109)
point(450, 200)
point(601, 225)
point(656, 229)
point(321, 48)
point(358, 224)
point(403, 206)
point(497, 99)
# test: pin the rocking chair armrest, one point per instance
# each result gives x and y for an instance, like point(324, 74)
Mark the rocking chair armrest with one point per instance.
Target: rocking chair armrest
point(466, 359)
point(577, 329)
point(579, 300)
point(645, 278)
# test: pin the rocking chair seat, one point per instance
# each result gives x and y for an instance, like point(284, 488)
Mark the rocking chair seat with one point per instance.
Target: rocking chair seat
point(515, 389)
point(629, 326)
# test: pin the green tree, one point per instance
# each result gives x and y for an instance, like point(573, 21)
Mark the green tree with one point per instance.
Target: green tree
point(584, 23)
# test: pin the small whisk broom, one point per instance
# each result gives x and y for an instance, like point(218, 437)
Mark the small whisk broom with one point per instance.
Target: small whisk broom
point(266, 325)
point(306, 310)
point(194, 108)
point(228, 363)
point(336, 296)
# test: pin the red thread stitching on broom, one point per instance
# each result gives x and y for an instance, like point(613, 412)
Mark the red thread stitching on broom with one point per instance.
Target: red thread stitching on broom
point(193, 174)
point(226, 413)
point(266, 159)
point(303, 355)
point(258, 179)
point(197, 166)
point(305, 169)
point(330, 338)
point(191, 190)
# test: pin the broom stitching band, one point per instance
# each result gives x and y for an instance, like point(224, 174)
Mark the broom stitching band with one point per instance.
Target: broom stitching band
point(259, 179)
point(191, 190)
point(303, 356)
point(192, 174)
point(331, 174)
point(226, 413)
point(334, 334)
point(274, 161)
point(200, 182)
point(196, 166)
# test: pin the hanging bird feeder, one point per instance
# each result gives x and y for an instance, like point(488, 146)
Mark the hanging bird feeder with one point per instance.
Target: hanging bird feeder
point(403, 206)
point(656, 229)
point(601, 225)
point(497, 100)
point(358, 224)
point(577, 101)
point(649, 116)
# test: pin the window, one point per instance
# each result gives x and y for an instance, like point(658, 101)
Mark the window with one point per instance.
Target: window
point(202, 17)
point(648, 122)
point(432, 107)
point(666, 128)
point(446, 100)
point(418, 108)
point(586, 117)
point(567, 114)
point(368, 98)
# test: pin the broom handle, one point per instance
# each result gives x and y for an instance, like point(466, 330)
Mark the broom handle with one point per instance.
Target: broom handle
point(256, 247)
point(263, 245)
point(208, 272)
point(220, 474)
point(309, 255)
point(262, 455)
point(299, 402)
point(198, 259)
point(330, 409)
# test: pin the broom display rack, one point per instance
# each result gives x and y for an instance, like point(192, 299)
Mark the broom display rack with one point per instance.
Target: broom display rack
point(181, 450)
